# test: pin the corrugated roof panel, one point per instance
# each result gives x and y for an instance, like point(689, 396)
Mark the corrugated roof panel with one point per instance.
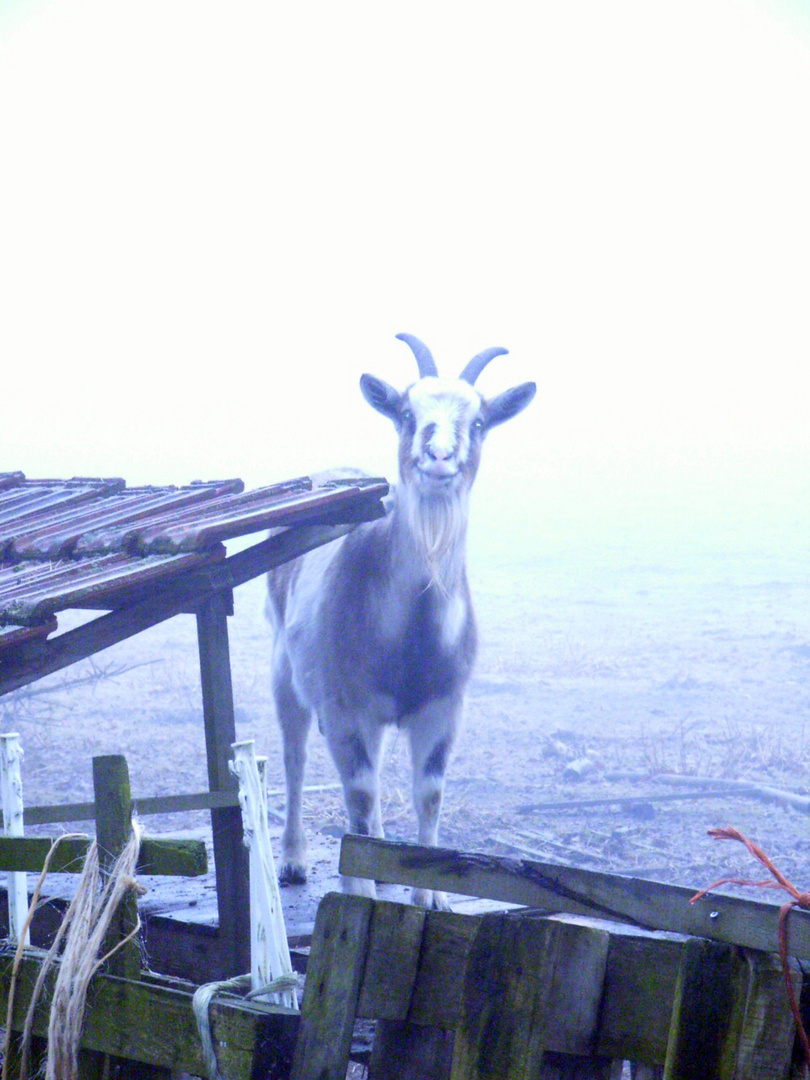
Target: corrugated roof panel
point(95, 543)
point(25, 502)
point(228, 518)
point(56, 535)
point(34, 596)
point(126, 536)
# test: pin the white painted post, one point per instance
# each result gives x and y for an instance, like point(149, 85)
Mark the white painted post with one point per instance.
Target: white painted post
point(269, 950)
point(11, 753)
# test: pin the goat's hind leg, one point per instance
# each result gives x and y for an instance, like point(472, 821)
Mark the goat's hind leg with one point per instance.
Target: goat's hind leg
point(294, 720)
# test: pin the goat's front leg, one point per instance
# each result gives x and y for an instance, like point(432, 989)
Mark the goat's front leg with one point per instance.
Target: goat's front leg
point(356, 750)
point(432, 733)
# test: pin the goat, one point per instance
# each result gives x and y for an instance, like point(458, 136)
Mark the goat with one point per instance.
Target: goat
point(377, 628)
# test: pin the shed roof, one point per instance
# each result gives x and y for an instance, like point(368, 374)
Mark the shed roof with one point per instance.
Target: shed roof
point(95, 543)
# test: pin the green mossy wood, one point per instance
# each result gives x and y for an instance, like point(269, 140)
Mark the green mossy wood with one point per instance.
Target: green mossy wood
point(183, 858)
point(150, 1021)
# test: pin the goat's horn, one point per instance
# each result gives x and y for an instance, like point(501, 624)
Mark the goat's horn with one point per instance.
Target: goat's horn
point(424, 357)
point(479, 362)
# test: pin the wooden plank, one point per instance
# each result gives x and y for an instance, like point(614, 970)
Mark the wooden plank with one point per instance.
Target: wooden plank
point(172, 857)
point(650, 904)
point(287, 544)
point(611, 989)
point(45, 657)
point(768, 1032)
point(113, 801)
point(153, 1023)
point(502, 1028)
point(152, 804)
point(573, 1009)
point(95, 583)
point(182, 804)
point(635, 966)
point(439, 989)
point(401, 1050)
point(708, 1012)
point(48, 815)
point(640, 979)
point(332, 988)
point(230, 854)
point(28, 854)
point(389, 977)
point(185, 858)
point(533, 986)
point(197, 530)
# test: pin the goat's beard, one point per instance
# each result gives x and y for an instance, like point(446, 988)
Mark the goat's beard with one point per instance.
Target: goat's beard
point(438, 525)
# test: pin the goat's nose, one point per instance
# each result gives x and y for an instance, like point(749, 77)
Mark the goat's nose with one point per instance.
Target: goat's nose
point(439, 453)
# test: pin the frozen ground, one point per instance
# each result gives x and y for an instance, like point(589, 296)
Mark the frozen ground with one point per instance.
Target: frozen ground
point(669, 636)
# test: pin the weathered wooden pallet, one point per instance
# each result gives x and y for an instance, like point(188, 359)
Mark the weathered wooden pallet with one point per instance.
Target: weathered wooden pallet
point(525, 995)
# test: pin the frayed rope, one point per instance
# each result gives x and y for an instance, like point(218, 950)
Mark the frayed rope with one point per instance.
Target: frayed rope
point(83, 931)
point(35, 901)
point(204, 995)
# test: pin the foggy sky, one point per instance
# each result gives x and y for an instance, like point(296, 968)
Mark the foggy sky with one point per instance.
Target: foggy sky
point(215, 217)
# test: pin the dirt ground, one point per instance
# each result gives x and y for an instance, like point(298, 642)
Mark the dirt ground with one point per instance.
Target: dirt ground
point(616, 664)
point(599, 677)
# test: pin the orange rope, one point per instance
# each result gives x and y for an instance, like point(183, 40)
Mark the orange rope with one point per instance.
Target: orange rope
point(800, 899)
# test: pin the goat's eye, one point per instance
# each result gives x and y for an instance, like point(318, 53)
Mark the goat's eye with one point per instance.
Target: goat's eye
point(406, 416)
point(478, 424)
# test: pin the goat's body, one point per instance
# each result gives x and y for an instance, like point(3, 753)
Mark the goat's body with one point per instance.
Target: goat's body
point(377, 628)
point(364, 638)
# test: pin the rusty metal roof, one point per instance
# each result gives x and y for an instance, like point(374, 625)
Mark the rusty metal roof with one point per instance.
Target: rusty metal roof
point(95, 542)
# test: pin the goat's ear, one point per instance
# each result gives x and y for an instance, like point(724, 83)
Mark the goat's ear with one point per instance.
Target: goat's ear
point(380, 395)
point(510, 403)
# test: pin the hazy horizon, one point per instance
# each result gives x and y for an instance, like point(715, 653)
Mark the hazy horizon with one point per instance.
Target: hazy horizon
point(214, 219)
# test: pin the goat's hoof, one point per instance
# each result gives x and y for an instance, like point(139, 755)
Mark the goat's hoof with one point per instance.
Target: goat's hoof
point(430, 899)
point(292, 873)
point(358, 886)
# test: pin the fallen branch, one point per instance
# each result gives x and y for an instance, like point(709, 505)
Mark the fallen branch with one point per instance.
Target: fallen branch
point(743, 787)
point(714, 785)
point(619, 800)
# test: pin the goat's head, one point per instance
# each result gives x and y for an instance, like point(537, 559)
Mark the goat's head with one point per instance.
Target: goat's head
point(442, 422)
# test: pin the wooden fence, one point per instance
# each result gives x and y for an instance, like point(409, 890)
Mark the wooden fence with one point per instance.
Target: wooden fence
point(137, 1022)
point(521, 993)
